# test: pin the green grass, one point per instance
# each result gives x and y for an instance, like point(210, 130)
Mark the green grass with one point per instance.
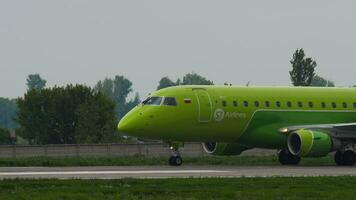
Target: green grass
point(127, 161)
point(207, 188)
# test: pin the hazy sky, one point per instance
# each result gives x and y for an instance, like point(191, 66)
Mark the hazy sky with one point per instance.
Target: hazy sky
point(81, 41)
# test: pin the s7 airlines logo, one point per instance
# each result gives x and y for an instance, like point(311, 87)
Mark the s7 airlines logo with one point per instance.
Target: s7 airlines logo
point(220, 114)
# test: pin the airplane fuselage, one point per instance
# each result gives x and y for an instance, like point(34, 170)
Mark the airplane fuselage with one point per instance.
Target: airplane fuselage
point(251, 116)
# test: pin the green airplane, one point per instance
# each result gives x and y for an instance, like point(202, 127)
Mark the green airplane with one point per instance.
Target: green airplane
point(298, 121)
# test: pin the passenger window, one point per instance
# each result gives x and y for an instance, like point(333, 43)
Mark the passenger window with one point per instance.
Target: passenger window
point(300, 104)
point(267, 104)
point(333, 104)
point(344, 104)
point(169, 101)
point(323, 104)
point(289, 104)
point(278, 104)
point(310, 104)
point(234, 103)
point(257, 104)
point(224, 103)
point(152, 101)
point(246, 103)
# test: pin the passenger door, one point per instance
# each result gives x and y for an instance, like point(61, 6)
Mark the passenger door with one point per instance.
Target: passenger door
point(204, 105)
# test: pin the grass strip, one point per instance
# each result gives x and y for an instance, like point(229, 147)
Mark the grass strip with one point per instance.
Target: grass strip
point(131, 161)
point(195, 188)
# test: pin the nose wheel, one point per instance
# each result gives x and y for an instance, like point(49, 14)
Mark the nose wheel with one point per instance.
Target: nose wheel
point(175, 159)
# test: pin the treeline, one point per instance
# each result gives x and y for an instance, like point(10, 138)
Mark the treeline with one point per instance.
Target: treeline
point(66, 115)
point(81, 114)
point(74, 113)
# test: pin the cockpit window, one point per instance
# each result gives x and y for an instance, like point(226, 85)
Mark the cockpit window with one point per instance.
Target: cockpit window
point(169, 101)
point(152, 101)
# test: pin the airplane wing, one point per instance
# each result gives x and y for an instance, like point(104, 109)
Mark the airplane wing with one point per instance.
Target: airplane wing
point(342, 131)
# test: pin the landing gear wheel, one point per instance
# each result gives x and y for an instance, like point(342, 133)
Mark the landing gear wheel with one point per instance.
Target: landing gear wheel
point(175, 161)
point(287, 158)
point(347, 157)
point(178, 161)
point(170, 161)
point(338, 157)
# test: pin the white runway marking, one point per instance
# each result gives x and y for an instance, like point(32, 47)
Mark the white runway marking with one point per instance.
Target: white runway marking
point(119, 172)
point(110, 172)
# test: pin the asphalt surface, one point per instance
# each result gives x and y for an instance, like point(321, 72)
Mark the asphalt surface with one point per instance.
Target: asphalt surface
point(171, 172)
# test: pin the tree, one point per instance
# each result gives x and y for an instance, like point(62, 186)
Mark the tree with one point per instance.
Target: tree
point(303, 69)
point(165, 82)
point(63, 115)
point(319, 81)
point(188, 79)
point(8, 113)
point(34, 81)
point(93, 126)
point(178, 82)
point(4, 136)
point(132, 103)
point(195, 79)
point(117, 89)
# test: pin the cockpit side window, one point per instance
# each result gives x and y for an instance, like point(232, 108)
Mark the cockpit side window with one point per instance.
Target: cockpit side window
point(152, 101)
point(169, 101)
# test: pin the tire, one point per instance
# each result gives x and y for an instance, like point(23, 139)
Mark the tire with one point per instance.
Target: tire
point(349, 157)
point(178, 161)
point(295, 160)
point(282, 157)
point(338, 157)
point(175, 161)
point(171, 161)
point(287, 158)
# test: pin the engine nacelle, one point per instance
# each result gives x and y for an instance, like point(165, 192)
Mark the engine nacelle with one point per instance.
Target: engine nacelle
point(309, 143)
point(223, 149)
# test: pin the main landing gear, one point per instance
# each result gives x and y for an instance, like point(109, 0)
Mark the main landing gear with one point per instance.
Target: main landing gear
point(287, 158)
point(175, 159)
point(345, 158)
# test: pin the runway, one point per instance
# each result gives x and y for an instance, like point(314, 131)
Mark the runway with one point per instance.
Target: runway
point(171, 172)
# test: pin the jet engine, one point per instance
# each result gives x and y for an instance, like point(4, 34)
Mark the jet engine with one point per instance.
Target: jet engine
point(310, 143)
point(223, 149)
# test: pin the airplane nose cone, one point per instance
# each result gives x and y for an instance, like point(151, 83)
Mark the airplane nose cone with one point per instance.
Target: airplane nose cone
point(124, 126)
point(131, 123)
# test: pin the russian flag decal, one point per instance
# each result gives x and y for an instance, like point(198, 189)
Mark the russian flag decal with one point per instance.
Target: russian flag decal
point(187, 100)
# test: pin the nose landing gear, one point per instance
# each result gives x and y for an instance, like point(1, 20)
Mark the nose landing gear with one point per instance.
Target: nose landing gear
point(175, 159)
